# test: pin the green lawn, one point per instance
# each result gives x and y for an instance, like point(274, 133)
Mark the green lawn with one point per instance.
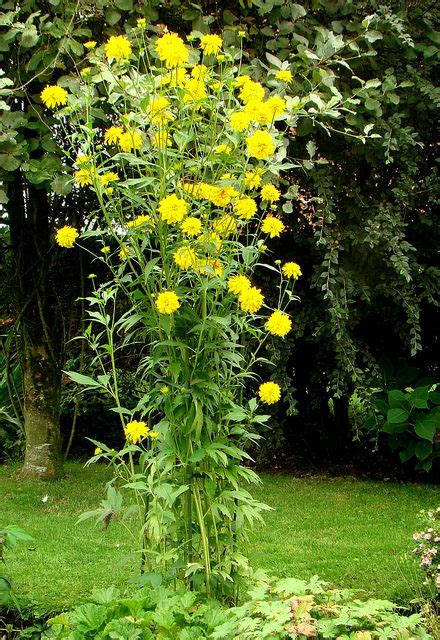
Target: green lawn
point(353, 533)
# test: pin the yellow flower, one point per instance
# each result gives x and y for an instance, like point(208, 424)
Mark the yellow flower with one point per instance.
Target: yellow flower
point(171, 50)
point(225, 225)
point(241, 80)
point(83, 158)
point(245, 208)
point(284, 75)
point(90, 44)
point(279, 323)
point(106, 178)
point(98, 451)
point(136, 431)
point(222, 148)
point(172, 209)
point(153, 435)
point(269, 392)
point(124, 253)
point(210, 44)
point(194, 90)
point(221, 196)
point(270, 193)
point(141, 23)
point(86, 72)
point(191, 226)
point(216, 266)
point(84, 176)
point(252, 179)
point(185, 257)
point(158, 110)
point(164, 389)
point(162, 139)
point(200, 72)
point(239, 121)
point(251, 299)
point(113, 134)
point(273, 226)
point(257, 112)
point(167, 302)
point(105, 249)
point(275, 106)
point(260, 145)
point(251, 90)
point(130, 140)
point(139, 221)
point(66, 236)
point(54, 96)
point(237, 284)
point(117, 48)
point(291, 270)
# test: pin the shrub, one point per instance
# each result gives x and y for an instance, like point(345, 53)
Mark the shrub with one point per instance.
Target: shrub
point(276, 610)
point(410, 419)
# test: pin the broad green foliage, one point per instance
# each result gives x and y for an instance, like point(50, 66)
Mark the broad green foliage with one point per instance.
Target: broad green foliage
point(278, 610)
point(409, 415)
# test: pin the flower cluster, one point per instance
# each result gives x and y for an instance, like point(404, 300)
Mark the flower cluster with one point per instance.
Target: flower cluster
point(427, 549)
point(219, 193)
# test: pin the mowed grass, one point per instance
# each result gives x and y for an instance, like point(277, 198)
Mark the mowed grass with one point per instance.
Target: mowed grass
point(352, 533)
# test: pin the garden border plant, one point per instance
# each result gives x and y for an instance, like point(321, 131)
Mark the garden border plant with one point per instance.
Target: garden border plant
point(187, 179)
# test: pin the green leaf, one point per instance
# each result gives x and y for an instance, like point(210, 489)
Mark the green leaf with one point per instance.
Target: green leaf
point(387, 427)
point(125, 5)
point(112, 16)
point(426, 427)
point(419, 397)
point(190, 14)
point(371, 104)
point(29, 37)
point(423, 449)
point(408, 453)
point(88, 617)
point(9, 162)
point(372, 36)
point(82, 379)
point(397, 398)
point(397, 416)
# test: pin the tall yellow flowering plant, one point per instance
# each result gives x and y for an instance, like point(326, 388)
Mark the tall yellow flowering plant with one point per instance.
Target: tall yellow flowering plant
point(186, 175)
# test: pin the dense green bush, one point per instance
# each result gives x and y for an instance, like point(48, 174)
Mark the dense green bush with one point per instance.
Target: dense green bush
point(405, 409)
point(278, 610)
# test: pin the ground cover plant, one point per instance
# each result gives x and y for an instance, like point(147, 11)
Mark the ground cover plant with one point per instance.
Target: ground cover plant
point(275, 609)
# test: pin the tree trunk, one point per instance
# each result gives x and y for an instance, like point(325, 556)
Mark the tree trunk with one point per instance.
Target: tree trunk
point(41, 384)
point(39, 326)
